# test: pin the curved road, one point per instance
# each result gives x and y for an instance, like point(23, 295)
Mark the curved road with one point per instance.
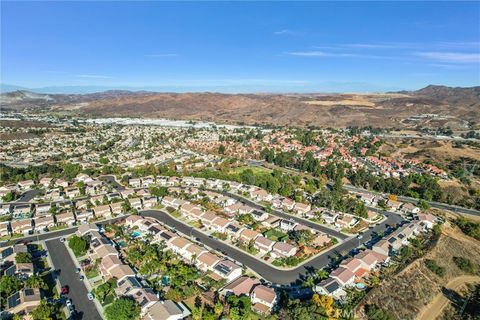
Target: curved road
point(266, 271)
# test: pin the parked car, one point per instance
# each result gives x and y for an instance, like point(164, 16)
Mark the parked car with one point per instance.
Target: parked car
point(77, 270)
point(62, 239)
point(81, 278)
point(64, 290)
point(90, 296)
point(68, 303)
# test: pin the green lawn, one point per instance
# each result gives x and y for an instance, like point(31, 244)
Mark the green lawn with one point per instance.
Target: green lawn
point(275, 235)
point(92, 273)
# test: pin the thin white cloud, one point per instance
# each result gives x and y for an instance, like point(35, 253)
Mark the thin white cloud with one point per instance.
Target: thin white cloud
point(161, 55)
point(93, 76)
point(371, 46)
point(452, 57)
point(320, 54)
point(287, 32)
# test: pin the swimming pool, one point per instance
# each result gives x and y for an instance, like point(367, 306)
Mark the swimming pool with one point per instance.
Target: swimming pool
point(360, 286)
point(136, 234)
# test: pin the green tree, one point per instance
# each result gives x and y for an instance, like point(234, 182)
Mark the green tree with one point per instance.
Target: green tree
point(36, 282)
point(44, 311)
point(9, 285)
point(221, 149)
point(158, 191)
point(23, 257)
point(9, 197)
point(123, 309)
point(78, 245)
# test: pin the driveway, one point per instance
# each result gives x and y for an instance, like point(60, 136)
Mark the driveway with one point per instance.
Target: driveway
point(78, 293)
point(266, 271)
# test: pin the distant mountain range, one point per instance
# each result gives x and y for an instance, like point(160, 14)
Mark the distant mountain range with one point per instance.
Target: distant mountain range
point(380, 109)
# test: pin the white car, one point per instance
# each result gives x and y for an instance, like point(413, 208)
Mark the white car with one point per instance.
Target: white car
point(68, 303)
point(90, 296)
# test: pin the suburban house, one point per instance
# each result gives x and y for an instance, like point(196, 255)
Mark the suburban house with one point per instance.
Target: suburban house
point(206, 261)
point(85, 229)
point(287, 225)
point(192, 252)
point(329, 216)
point(219, 224)
point(240, 286)
point(149, 201)
point(4, 228)
point(264, 244)
point(25, 300)
point(344, 276)
point(26, 184)
point(228, 270)
point(43, 222)
point(346, 221)
point(135, 203)
point(179, 245)
point(65, 218)
point(259, 215)
point(42, 208)
point(247, 235)
point(284, 249)
point(302, 208)
point(167, 310)
point(127, 285)
point(332, 288)
point(135, 183)
point(117, 208)
point(263, 299)
point(84, 216)
point(102, 211)
point(21, 226)
point(145, 298)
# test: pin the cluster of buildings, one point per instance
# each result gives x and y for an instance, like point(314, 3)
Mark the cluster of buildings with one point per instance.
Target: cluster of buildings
point(228, 224)
point(216, 267)
point(353, 271)
point(111, 266)
point(26, 299)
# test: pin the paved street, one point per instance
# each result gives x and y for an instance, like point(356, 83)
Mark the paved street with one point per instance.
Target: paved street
point(284, 215)
point(28, 195)
point(78, 293)
point(268, 272)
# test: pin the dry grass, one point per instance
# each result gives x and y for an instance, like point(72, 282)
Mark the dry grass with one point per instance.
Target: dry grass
point(408, 292)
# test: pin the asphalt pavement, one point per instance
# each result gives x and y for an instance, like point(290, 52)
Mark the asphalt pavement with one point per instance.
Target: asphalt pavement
point(28, 195)
point(284, 215)
point(78, 292)
point(265, 270)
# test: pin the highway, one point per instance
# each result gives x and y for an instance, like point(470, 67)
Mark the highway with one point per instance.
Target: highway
point(267, 271)
point(62, 261)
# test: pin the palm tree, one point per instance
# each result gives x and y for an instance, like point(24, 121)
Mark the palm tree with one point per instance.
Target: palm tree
point(321, 274)
point(36, 282)
point(308, 283)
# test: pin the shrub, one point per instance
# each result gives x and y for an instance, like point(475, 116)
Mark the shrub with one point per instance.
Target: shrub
point(434, 267)
point(465, 264)
point(78, 245)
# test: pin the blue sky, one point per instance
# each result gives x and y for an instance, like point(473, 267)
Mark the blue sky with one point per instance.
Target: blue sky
point(241, 46)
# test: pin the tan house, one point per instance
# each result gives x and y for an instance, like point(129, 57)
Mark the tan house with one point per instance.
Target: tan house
point(25, 300)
